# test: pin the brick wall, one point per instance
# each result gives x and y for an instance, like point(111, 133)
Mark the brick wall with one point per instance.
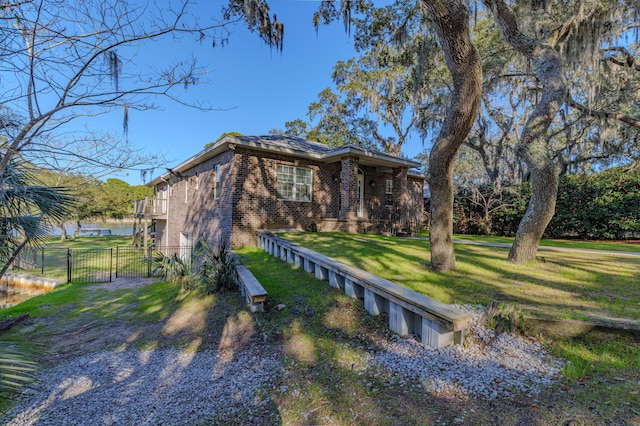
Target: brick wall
point(248, 200)
point(255, 201)
point(198, 213)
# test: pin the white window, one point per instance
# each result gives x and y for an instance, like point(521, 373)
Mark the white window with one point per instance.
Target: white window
point(216, 181)
point(186, 190)
point(197, 179)
point(388, 192)
point(294, 183)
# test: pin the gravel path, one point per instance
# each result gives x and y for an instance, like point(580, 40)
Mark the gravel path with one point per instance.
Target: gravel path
point(149, 388)
point(488, 366)
point(174, 387)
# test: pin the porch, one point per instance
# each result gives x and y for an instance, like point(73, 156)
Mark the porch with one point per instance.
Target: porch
point(378, 219)
point(150, 208)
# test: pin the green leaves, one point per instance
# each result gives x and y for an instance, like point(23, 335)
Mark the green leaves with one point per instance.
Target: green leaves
point(217, 269)
point(16, 366)
point(604, 205)
point(598, 206)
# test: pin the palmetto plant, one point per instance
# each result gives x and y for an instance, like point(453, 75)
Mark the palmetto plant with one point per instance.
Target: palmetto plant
point(174, 269)
point(217, 269)
point(28, 210)
point(16, 366)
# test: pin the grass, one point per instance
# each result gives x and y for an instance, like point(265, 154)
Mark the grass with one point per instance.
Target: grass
point(324, 336)
point(575, 244)
point(105, 241)
point(568, 285)
point(93, 257)
point(324, 353)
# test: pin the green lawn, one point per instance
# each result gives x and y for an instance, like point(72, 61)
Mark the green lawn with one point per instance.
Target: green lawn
point(106, 241)
point(92, 256)
point(325, 334)
point(560, 284)
point(571, 244)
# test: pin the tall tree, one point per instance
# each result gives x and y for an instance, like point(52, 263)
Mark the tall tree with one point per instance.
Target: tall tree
point(380, 83)
point(451, 22)
point(554, 38)
point(63, 61)
point(339, 121)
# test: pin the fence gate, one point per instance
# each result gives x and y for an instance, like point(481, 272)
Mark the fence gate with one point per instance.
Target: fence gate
point(90, 265)
point(94, 264)
point(133, 262)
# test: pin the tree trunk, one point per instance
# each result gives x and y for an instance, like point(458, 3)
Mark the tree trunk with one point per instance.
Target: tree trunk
point(533, 146)
point(451, 21)
point(76, 232)
point(13, 257)
point(536, 153)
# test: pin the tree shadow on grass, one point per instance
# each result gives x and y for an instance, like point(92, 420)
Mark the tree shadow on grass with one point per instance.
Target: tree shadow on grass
point(326, 338)
point(583, 284)
point(329, 378)
point(141, 356)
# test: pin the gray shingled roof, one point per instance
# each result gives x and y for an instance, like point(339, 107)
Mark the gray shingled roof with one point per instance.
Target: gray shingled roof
point(293, 146)
point(289, 142)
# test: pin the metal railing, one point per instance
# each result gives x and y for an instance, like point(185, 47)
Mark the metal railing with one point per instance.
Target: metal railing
point(94, 264)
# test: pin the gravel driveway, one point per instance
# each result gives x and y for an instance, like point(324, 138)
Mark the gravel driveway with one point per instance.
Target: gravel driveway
point(170, 386)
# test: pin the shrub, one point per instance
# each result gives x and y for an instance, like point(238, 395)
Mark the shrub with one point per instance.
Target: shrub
point(174, 269)
point(217, 268)
point(598, 206)
point(605, 205)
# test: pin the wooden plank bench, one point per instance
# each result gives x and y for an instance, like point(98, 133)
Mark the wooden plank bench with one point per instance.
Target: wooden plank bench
point(251, 289)
point(436, 323)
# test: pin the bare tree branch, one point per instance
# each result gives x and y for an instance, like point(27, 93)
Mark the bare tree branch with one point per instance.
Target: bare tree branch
point(624, 118)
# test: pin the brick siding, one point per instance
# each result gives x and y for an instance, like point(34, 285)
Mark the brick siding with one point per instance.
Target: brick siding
point(248, 200)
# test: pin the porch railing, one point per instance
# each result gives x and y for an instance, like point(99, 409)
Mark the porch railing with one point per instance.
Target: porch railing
point(150, 206)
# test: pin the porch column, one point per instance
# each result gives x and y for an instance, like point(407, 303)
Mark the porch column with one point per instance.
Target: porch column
point(400, 188)
point(349, 189)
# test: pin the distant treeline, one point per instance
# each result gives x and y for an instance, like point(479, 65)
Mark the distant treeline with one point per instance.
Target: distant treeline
point(110, 199)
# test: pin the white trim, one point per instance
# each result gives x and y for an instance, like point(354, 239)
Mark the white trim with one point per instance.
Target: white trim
point(295, 184)
point(360, 189)
point(217, 181)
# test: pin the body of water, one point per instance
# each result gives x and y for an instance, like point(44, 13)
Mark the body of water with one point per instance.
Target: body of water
point(116, 228)
point(12, 296)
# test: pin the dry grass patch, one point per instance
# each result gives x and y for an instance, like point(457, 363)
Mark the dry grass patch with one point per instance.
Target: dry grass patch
point(237, 331)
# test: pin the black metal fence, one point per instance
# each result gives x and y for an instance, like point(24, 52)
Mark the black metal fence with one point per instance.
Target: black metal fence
point(94, 264)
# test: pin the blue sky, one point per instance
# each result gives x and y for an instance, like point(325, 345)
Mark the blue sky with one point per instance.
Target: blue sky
point(255, 88)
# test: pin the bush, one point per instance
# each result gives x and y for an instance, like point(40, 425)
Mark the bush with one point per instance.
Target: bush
point(605, 205)
point(599, 206)
point(174, 269)
point(469, 217)
point(217, 270)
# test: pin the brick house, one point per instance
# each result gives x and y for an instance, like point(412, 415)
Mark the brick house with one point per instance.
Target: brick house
point(245, 183)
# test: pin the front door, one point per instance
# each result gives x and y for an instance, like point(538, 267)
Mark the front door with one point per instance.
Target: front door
point(360, 193)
